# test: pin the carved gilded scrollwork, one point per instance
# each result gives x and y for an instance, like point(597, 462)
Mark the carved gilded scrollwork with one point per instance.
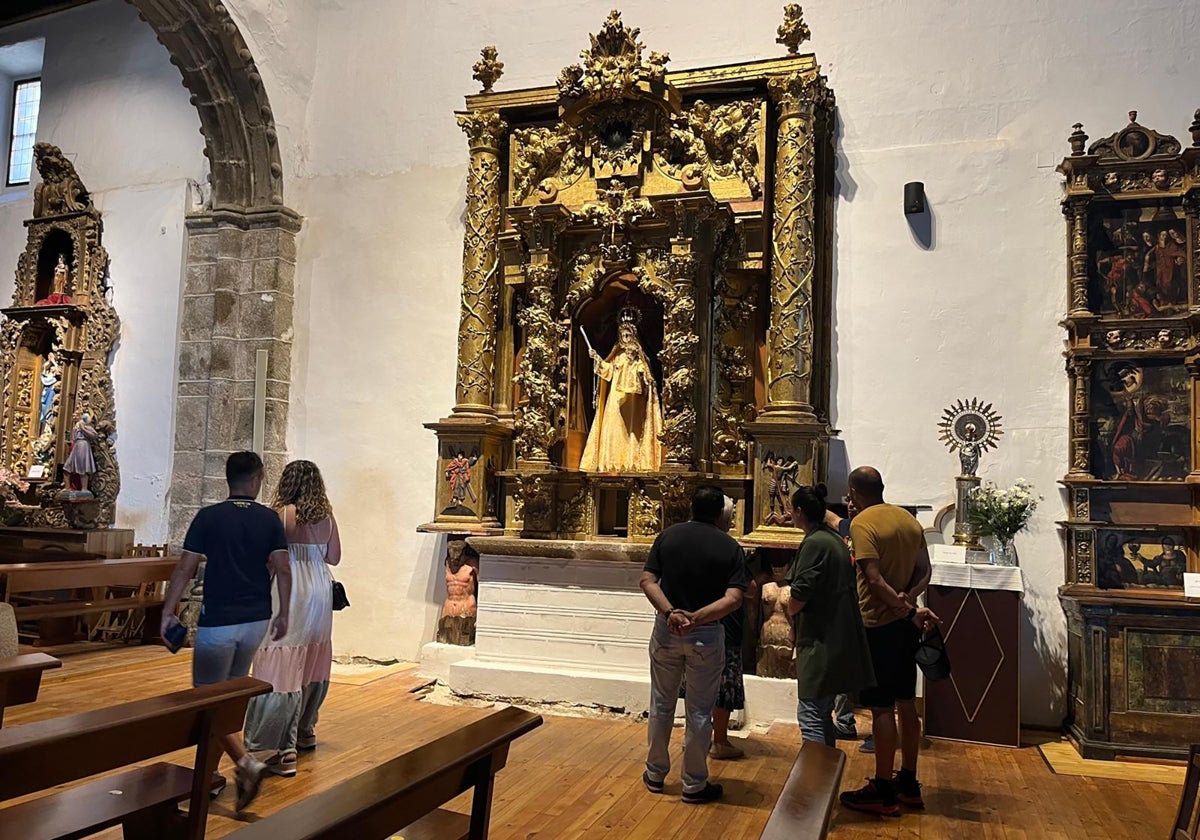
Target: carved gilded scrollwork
point(1081, 503)
point(645, 514)
point(1083, 555)
point(535, 503)
point(676, 492)
point(480, 288)
point(790, 332)
point(715, 142)
point(1149, 338)
point(733, 309)
point(678, 355)
point(612, 66)
point(576, 514)
point(541, 398)
point(545, 161)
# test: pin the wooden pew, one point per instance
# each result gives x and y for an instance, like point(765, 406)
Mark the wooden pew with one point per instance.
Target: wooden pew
point(21, 677)
point(87, 575)
point(403, 795)
point(38, 756)
point(806, 802)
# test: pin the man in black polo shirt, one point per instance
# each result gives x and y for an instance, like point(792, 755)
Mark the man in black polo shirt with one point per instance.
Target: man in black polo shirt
point(244, 544)
point(694, 576)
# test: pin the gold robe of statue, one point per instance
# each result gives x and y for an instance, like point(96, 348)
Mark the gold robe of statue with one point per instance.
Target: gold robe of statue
point(624, 435)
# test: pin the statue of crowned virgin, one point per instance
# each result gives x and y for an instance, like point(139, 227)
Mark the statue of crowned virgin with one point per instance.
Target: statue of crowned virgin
point(624, 433)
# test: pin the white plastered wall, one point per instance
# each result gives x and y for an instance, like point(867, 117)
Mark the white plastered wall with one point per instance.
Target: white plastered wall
point(114, 104)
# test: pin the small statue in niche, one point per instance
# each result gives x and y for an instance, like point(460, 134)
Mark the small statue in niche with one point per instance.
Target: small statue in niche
point(457, 623)
point(968, 451)
point(776, 640)
point(625, 432)
point(80, 465)
point(46, 400)
point(458, 474)
point(58, 285)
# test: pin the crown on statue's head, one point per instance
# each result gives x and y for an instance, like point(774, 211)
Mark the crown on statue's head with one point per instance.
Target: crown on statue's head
point(630, 315)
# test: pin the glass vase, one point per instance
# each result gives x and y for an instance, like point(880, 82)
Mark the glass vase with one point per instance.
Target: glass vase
point(1001, 551)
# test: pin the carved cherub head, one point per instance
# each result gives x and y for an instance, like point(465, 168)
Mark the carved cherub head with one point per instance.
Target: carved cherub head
point(1159, 179)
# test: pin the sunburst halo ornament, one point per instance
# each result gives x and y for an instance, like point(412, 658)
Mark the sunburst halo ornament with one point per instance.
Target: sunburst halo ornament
point(970, 427)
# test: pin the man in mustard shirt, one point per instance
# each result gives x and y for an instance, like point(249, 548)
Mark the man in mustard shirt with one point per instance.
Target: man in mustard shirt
point(893, 570)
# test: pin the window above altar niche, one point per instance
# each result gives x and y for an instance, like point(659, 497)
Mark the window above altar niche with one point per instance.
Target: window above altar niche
point(20, 104)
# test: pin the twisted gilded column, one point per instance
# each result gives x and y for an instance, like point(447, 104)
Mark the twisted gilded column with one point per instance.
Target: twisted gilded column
point(793, 256)
point(540, 396)
point(680, 343)
point(1081, 371)
point(481, 287)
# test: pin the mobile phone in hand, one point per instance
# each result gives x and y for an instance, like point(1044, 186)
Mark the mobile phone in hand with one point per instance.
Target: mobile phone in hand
point(174, 638)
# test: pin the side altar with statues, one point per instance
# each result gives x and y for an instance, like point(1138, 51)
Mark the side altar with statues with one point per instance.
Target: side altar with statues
point(646, 307)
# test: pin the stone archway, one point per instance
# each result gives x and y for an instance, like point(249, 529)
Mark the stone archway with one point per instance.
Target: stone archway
point(241, 261)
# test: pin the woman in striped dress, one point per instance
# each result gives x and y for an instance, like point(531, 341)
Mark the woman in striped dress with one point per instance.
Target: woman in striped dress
point(298, 665)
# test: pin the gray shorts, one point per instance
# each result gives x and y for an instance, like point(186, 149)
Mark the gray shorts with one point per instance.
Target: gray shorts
point(222, 653)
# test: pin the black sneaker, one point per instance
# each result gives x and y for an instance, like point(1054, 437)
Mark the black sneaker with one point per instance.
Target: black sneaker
point(908, 789)
point(850, 734)
point(877, 796)
point(651, 785)
point(708, 793)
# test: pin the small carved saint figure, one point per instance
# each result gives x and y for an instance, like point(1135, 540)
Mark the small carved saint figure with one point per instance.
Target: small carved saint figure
point(80, 464)
point(625, 432)
point(457, 623)
point(781, 481)
point(776, 640)
point(59, 284)
point(968, 451)
point(46, 401)
point(458, 474)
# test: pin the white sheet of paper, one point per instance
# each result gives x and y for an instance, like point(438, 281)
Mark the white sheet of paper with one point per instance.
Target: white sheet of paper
point(1191, 584)
point(948, 553)
point(37, 471)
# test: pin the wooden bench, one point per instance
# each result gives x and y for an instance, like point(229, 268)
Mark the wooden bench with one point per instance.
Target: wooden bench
point(806, 802)
point(143, 800)
point(403, 795)
point(22, 579)
point(21, 678)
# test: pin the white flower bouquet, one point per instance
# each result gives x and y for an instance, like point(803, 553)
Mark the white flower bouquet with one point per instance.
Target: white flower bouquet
point(1002, 513)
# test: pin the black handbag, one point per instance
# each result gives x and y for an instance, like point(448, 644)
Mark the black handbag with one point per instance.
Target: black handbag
point(931, 656)
point(340, 601)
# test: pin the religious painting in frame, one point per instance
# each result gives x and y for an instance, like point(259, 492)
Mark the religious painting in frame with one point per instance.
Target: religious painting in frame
point(1140, 420)
point(1138, 261)
point(1128, 558)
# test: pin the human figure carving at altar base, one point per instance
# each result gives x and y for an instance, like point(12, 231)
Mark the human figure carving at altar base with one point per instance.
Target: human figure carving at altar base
point(624, 434)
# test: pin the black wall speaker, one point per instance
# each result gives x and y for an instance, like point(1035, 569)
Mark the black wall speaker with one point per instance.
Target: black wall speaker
point(914, 198)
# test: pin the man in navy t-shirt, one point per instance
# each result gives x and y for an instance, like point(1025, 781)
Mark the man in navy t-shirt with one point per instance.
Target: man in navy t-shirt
point(244, 544)
point(695, 576)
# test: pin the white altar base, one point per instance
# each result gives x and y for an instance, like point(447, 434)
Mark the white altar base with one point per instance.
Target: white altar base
point(565, 622)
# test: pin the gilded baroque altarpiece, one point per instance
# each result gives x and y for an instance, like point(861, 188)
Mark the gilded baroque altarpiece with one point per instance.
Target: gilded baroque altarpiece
point(55, 343)
point(687, 212)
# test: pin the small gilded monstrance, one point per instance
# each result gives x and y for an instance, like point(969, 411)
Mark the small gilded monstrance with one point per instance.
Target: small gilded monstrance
point(969, 427)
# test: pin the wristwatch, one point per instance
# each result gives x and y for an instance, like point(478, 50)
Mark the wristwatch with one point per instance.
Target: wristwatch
point(911, 613)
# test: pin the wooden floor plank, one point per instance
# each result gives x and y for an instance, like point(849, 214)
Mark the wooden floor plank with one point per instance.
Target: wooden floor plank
point(581, 777)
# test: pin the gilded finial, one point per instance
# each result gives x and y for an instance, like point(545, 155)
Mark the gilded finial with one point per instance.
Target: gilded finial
point(1195, 128)
point(793, 31)
point(488, 70)
point(1077, 139)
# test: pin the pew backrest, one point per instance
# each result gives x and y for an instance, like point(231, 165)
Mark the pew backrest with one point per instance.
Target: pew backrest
point(77, 574)
point(806, 801)
point(389, 797)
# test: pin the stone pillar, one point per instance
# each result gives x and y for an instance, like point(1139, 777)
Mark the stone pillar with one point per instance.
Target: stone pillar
point(238, 298)
point(1080, 371)
point(481, 285)
point(793, 258)
point(541, 398)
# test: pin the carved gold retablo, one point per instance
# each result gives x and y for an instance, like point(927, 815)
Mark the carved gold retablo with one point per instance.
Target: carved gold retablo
point(793, 31)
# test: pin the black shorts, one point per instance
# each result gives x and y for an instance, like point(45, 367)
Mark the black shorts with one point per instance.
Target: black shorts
point(893, 648)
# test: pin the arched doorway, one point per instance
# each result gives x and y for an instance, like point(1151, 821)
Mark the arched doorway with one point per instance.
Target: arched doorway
point(240, 266)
